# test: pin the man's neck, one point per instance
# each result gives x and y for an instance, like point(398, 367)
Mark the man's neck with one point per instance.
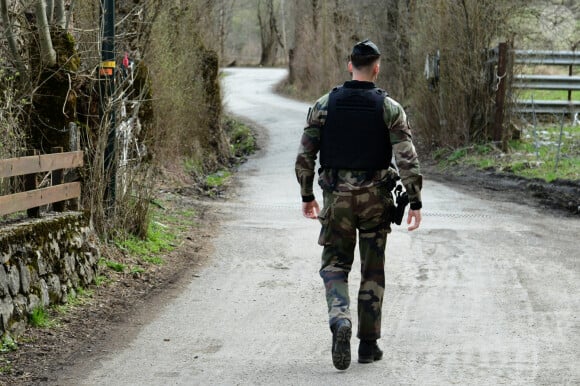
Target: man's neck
point(361, 77)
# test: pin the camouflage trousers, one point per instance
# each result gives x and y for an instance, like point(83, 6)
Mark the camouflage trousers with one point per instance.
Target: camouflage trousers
point(343, 213)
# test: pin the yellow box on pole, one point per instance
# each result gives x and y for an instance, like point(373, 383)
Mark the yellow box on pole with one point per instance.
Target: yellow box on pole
point(109, 64)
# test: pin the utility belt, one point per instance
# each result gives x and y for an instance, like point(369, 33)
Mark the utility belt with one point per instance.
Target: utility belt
point(390, 184)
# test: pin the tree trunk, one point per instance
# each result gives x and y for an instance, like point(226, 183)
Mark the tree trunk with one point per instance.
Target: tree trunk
point(59, 13)
point(269, 35)
point(283, 18)
point(391, 46)
point(49, 10)
point(47, 52)
point(314, 4)
point(12, 45)
point(213, 102)
point(225, 9)
point(222, 31)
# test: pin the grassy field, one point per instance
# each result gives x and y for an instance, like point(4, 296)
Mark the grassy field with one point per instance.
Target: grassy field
point(549, 95)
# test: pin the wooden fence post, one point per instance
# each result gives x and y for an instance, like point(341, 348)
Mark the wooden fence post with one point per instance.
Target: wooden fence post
point(570, 73)
point(75, 145)
point(31, 184)
point(57, 178)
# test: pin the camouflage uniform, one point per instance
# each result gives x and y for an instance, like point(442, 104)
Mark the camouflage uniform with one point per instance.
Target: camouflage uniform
point(357, 199)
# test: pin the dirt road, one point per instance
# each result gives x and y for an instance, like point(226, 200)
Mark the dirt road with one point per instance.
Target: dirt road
point(483, 293)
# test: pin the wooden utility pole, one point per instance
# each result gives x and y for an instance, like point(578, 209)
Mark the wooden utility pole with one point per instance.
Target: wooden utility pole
point(107, 90)
point(500, 92)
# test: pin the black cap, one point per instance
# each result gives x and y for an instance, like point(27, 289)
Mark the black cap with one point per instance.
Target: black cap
point(365, 48)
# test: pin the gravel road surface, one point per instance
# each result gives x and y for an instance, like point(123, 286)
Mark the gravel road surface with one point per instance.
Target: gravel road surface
point(484, 293)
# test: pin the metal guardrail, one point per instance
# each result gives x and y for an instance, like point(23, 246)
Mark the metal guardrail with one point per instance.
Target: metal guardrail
point(548, 58)
point(547, 82)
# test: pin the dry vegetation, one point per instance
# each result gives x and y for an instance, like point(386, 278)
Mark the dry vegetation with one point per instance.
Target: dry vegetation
point(453, 109)
point(167, 105)
point(168, 108)
point(456, 109)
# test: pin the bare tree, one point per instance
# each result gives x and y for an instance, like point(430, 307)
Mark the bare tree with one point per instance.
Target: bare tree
point(12, 44)
point(455, 111)
point(270, 37)
point(224, 16)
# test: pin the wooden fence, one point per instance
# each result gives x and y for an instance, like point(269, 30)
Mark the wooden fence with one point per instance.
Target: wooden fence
point(32, 198)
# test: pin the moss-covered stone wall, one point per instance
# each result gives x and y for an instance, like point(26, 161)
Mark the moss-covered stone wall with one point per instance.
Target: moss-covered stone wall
point(42, 261)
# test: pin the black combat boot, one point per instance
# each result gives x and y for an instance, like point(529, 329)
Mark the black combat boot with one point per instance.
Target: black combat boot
point(341, 332)
point(369, 351)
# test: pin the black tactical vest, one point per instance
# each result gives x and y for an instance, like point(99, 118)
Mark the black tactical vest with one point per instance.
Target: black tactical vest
point(355, 135)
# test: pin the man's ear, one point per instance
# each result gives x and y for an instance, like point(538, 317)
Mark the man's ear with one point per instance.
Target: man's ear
point(349, 66)
point(377, 68)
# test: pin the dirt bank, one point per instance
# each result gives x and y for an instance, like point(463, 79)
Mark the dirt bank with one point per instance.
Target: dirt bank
point(562, 197)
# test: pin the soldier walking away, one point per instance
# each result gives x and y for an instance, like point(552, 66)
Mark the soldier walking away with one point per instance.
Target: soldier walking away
point(357, 129)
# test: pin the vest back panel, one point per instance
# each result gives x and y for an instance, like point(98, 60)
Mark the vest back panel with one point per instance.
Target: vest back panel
point(355, 135)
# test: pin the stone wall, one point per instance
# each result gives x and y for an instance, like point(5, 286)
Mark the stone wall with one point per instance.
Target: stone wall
point(42, 261)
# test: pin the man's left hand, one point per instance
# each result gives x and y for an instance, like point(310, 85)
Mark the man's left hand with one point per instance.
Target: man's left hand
point(310, 209)
point(414, 218)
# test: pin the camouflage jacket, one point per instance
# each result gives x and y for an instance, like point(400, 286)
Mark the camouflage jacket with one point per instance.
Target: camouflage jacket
point(346, 180)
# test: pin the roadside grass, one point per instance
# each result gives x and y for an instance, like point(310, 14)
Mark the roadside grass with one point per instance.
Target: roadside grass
point(46, 318)
point(160, 239)
point(217, 179)
point(192, 166)
point(40, 318)
point(5, 366)
point(167, 223)
point(101, 280)
point(242, 139)
point(7, 345)
point(114, 265)
point(187, 218)
point(535, 155)
point(75, 298)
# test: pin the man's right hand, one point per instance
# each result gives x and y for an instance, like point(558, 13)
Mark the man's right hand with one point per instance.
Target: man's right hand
point(310, 209)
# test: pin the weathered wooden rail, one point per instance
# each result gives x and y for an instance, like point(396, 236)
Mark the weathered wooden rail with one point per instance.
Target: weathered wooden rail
point(32, 198)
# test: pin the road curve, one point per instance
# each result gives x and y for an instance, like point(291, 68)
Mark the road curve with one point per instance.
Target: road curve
point(483, 293)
